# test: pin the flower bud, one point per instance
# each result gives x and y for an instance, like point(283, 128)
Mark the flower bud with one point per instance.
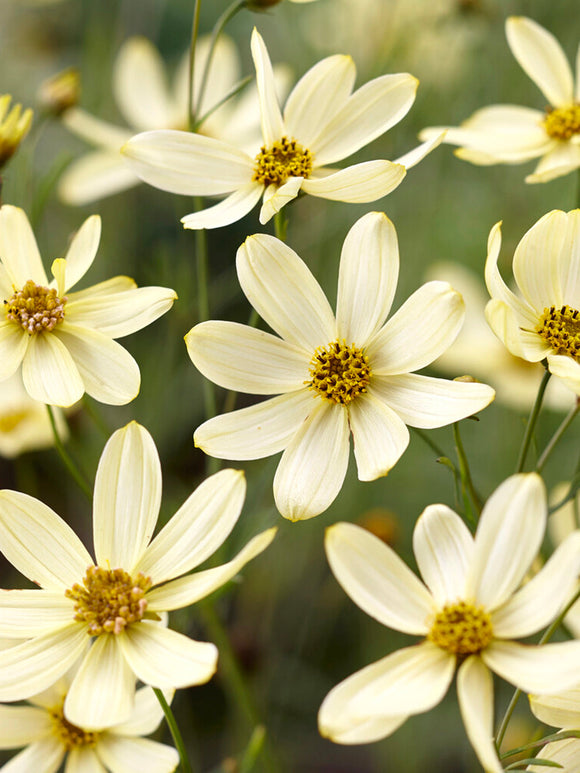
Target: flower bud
point(60, 92)
point(14, 126)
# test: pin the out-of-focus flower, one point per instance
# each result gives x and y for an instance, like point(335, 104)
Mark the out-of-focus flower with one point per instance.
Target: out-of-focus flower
point(337, 374)
point(65, 341)
point(470, 610)
point(543, 322)
point(561, 711)
point(261, 5)
point(477, 351)
point(323, 122)
point(116, 603)
point(14, 126)
point(146, 101)
point(60, 92)
point(560, 525)
point(24, 422)
point(508, 134)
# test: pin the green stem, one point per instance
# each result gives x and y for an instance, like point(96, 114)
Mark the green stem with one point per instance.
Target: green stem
point(442, 458)
point(561, 736)
point(98, 420)
point(67, 459)
point(280, 225)
point(175, 732)
point(534, 413)
point(558, 436)
point(192, 45)
point(467, 487)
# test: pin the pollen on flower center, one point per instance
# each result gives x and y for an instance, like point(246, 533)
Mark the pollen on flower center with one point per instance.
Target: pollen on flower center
point(339, 372)
point(561, 329)
point(35, 308)
point(461, 628)
point(110, 600)
point(286, 158)
point(563, 122)
point(71, 736)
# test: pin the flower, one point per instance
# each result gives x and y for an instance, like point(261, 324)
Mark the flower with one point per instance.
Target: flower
point(322, 124)
point(14, 126)
point(336, 375)
point(561, 711)
point(63, 340)
point(469, 610)
point(146, 102)
point(560, 525)
point(543, 322)
point(115, 603)
point(51, 739)
point(508, 134)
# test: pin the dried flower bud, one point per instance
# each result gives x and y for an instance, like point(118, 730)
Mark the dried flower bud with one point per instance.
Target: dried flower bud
point(60, 92)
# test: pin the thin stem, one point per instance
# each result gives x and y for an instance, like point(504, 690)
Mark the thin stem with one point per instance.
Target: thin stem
point(558, 436)
point(534, 413)
point(98, 420)
point(467, 486)
point(442, 458)
point(280, 225)
point(67, 459)
point(174, 730)
point(192, 45)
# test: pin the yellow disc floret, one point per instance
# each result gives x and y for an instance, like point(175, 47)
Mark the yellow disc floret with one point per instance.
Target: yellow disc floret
point(561, 329)
point(35, 308)
point(339, 372)
point(461, 629)
point(69, 735)
point(286, 158)
point(563, 122)
point(110, 600)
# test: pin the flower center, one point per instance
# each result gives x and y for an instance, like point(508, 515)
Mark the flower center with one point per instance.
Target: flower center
point(339, 372)
point(110, 600)
point(35, 308)
point(461, 629)
point(71, 736)
point(286, 158)
point(561, 329)
point(563, 122)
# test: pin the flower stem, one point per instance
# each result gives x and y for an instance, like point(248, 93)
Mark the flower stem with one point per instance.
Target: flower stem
point(67, 459)
point(192, 45)
point(174, 730)
point(534, 413)
point(98, 420)
point(558, 436)
point(280, 225)
point(467, 487)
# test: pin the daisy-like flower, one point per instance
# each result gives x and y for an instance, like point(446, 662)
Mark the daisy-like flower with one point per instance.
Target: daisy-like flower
point(115, 601)
point(469, 611)
point(323, 122)
point(543, 321)
point(64, 340)
point(508, 134)
point(336, 374)
point(561, 711)
point(50, 739)
point(147, 102)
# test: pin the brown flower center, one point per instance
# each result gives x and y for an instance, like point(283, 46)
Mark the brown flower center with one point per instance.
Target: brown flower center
point(286, 158)
point(562, 123)
point(71, 736)
point(35, 308)
point(461, 629)
point(339, 372)
point(561, 329)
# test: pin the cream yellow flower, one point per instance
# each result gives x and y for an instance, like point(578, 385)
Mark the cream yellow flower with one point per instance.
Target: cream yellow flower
point(64, 340)
point(508, 134)
point(322, 123)
point(114, 602)
point(469, 610)
point(14, 126)
point(543, 321)
point(335, 375)
point(562, 711)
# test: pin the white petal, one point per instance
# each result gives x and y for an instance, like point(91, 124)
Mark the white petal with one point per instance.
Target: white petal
point(18, 249)
point(560, 710)
point(147, 713)
point(284, 292)
point(509, 535)
point(83, 759)
point(233, 208)
point(313, 466)
point(566, 753)
point(541, 669)
point(94, 130)
point(245, 359)
point(27, 613)
point(379, 434)
point(117, 284)
point(377, 580)
point(561, 160)
point(277, 197)
point(13, 346)
point(21, 725)
point(443, 547)
point(127, 497)
point(412, 158)
point(102, 691)
point(513, 332)
point(365, 296)
point(82, 250)
point(357, 184)
point(541, 57)
point(134, 754)
point(566, 369)
point(163, 658)
point(95, 176)
point(475, 693)
point(45, 755)
point(39, 543)
point(49, 372)
point(271, 117)
point(197, 529)
point(258, 431)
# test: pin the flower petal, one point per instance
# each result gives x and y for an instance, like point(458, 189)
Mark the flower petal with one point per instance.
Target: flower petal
point(566, 369)
point(245, 359)
point(313, 466)
point(284, 292)
point(519, 341)
point(127, 497)
point(560, 710)
point(147, 713)
point(39, 543)
point(565, 753)
point(377, 580)
point(94, 176)
point(28, 613)
point(197, 529)
point(49, 372)
point(13, 346)
point(18, 249)
point(117, 284)
point(83, 759)
point(540, 669)
point(562, 159)
point(124, 754)
point(276, 197)
point(233, 208)
point(357, 184)
point(412, 157)
point(365, 297)
point(163, 658)
point(379, 434)
point(475, 693)
point(95, 131)
point(21, 725)
point(271, 117)
point(46, 755)
point(82, 250)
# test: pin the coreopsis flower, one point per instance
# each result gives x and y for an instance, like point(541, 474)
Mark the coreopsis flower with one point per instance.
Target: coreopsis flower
point(561, 711)
point(146, 101)
point(337, 375)
point(509, 134)
point(560, 525)
point(322, 123)
point(115, 601)
point(469, 610)
point(14, 126)
point(543, 320)
point(64, 340)
point(50, 739)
